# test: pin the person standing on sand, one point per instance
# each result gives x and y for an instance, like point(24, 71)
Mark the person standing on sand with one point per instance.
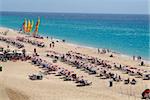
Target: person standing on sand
point(133, 57)
point(8, 46)
point(53, 44)
point(24, 52)
point(111, 83)
point(35, 50)
point(139, 57)
point(119, 78)
point(142, 63)
point(98, 51)
point(51, 38)
point(50, 45)
point(128, 80)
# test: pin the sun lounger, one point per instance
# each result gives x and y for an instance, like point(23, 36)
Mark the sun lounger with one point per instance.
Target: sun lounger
point(84, 83)
point(132, 74)
point(104, 77)
point(67, 78)
point(138, 76)
point(58, 74)
point(133, 82)
point(35, 77)
point(91, 72)
point(126, 81)
point(146, 76)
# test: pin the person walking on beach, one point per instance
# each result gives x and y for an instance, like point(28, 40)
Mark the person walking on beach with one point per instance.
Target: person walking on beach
point(34, 50)
point(51, 38)
point(50, 45)
point(98, 51)
point(111, 83)
point(128, 80)
point(133, 57)
point(47, 37)
point(24, 52)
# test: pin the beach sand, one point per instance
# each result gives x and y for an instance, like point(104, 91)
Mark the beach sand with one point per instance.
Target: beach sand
point(15, 85)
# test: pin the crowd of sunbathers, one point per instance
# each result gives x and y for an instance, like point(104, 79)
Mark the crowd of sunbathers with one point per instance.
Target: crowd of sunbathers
point(11, 42)
point(93, 65)
point(60, 71)
point(6, 55)
point(87, 63)
point(33, 42)
point(38, 37)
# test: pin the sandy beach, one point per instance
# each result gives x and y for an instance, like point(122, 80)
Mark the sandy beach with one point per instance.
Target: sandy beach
point(15, 84)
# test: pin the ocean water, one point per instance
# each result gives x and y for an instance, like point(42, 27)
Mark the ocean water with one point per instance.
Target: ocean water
point(127, 34)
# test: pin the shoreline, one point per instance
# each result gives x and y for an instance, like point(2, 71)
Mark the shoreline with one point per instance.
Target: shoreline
point(89, 47)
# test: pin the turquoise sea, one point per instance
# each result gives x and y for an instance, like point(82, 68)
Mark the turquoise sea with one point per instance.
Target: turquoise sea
point(127, 34)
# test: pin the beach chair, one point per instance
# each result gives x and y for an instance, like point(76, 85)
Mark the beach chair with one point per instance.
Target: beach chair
point(104, 77)
point(91, 72)
point(124, 72)
point(146, 76)
point(126, 81)
point(1, 56)
point(1, 49)
point(84, 83)
point(38, 64)
point(99, 75)
point(133, 82)
point(132, 74)
point(67, 78)
point(35, 77)
point(54, 61)
point(59, 74)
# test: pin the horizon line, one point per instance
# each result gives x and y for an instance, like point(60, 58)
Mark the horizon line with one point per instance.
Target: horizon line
point(78, 12)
